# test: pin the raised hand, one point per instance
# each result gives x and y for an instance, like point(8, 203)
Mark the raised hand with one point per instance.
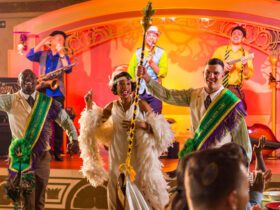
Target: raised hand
point(258, 148)
point(141, 70)
point(88, 100)
point(59, 48)
point(47, 40)
point(258, 181)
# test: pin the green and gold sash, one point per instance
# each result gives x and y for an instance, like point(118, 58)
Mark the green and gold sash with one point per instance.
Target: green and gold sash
point(216, 113)
point(20, 149)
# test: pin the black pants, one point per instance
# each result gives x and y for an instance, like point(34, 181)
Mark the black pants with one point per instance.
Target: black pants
point(58, 132)
point(36, 200)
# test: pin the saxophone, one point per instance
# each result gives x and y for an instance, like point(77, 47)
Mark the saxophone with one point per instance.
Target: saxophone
point(50, 80)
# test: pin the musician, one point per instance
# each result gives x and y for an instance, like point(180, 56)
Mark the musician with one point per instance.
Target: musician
point(239, 71)
point(155, 62)
point(50, 60)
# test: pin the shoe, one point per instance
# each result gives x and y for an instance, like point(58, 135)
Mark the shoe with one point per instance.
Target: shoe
point(58, 158)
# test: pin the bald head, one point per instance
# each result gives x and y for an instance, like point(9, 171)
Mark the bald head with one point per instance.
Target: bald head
point(27, 81)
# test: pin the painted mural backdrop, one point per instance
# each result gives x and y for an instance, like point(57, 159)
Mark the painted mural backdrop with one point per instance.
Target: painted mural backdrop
point(189, 43)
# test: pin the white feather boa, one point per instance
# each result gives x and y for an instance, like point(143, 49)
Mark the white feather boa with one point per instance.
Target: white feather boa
point(91, 129)
point(149, 148)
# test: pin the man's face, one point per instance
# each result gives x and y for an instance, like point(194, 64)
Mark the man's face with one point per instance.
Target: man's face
point(27, 81)
point(57, 40)
point(213, 76)
point(151, 39)
point(243, 193)
point(236, 37)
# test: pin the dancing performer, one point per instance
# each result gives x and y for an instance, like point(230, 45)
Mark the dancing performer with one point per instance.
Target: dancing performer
point(30, 116)
point(110, 126)
point(217, 115)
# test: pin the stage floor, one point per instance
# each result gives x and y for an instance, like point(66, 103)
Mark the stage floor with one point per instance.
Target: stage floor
point(67, 189)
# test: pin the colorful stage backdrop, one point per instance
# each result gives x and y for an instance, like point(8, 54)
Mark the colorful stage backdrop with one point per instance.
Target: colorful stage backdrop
point(103, 36)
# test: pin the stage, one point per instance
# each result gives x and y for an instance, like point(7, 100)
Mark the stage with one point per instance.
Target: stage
point(67, 189)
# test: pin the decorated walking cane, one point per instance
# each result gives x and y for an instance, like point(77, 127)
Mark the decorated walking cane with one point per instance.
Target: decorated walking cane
point(126, 167)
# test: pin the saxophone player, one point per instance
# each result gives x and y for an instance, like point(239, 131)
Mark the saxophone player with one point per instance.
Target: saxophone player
point(50, 60)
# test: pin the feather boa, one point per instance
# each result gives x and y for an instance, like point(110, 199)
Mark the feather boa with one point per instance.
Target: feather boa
point(149, 148)
point(91, 129)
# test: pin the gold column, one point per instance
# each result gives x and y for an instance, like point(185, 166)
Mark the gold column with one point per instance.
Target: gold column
point(273, 58)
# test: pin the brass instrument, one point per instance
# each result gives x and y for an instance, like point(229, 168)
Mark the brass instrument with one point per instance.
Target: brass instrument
point(150, 54)
point(50, 80)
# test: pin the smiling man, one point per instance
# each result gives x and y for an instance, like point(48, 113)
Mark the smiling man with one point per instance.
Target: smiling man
point(217, 115)
point(238, 62)
point(155, 61)
point(30, 116)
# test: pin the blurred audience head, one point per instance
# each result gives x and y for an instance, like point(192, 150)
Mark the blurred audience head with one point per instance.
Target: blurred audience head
point(217, 179)
point(179, 201)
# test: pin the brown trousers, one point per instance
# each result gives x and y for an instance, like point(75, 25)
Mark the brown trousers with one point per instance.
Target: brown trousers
point(236, 89)
point(36, 200)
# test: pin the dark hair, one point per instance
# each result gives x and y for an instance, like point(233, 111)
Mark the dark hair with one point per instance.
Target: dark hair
point(213, 174)
point(237, 149)
point(216, 61)
point(122, 74)
point(25, 71)
point(180, 201)
point(59, 32)
point(240, 28)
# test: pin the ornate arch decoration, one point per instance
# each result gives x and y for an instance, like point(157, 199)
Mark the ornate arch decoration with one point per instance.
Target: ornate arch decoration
point(261, 37)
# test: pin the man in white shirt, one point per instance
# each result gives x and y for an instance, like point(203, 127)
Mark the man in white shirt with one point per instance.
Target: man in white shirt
point(30, 116)
point(231, 127)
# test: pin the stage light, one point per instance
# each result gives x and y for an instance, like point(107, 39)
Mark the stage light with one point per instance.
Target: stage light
point(204, 19)
point(172, 19)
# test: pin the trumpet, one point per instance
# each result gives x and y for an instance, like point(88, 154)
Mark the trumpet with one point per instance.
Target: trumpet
point(50, 80)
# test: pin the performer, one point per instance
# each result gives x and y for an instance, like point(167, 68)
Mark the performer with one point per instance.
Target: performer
point(50, 60)
point(30, 116)
point(217, 115)
point(237, 71)
point(110, 126)
point(155, 62)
